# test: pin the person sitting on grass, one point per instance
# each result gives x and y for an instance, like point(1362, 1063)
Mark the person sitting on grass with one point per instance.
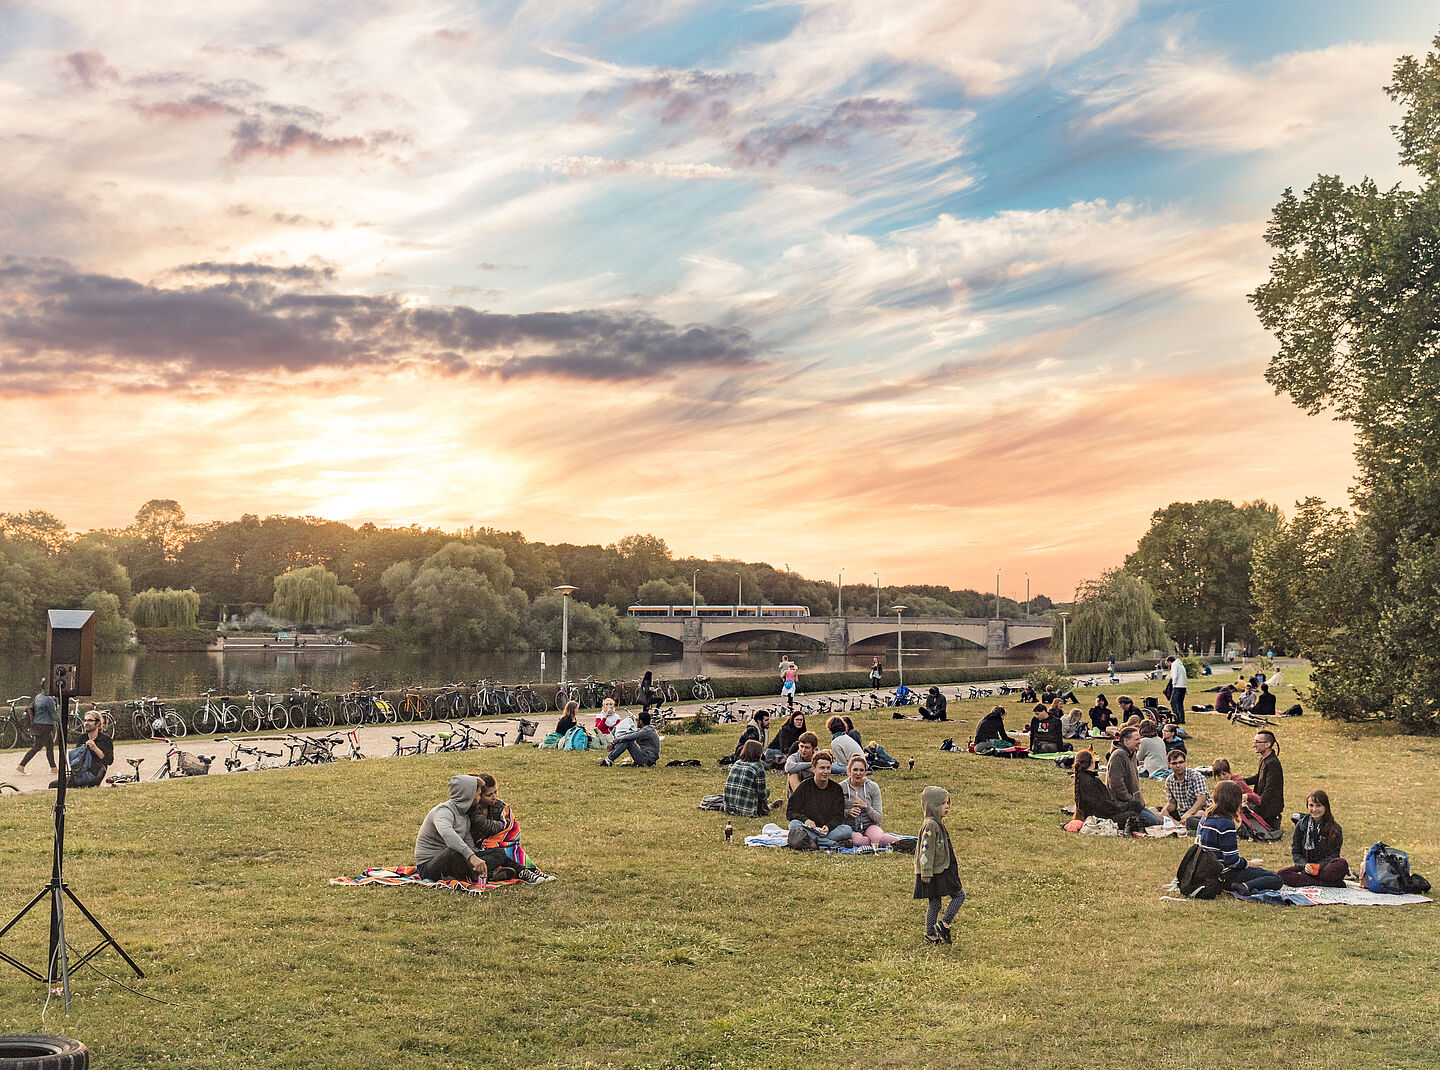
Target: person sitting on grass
point(643, 744)
point(1218, 834)
point(756, 731)
point(1225, 700)
point(90, 759)
point(937, 873)
point(1073, 726)
point(1265, 703)
point(787, 739)
point(445, 847)
point(1102, 718)
point(1093, 798)
point(1046, 732)
point(1127, 709)
point(1123, 778)
point(843, 746)
point(1246, 700)
point(992, 726)
point(1150, 758)
point(745, 792)
point(1186, 792)
point(1269, 779)
point(1220, 770)
point(605, 720)
point(935, 706)
point(817, 809)
point(863, 812)
point(1315, 847)
point(497, 836)
point(798, 765)
point(568, 718)
point(1170, 736)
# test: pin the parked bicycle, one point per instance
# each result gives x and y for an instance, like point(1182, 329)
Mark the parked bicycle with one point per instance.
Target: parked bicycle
point(216, 715)
point(14, 728)
point(152, 719)
point(246, 756)
point(701, 689)
point(180, 763)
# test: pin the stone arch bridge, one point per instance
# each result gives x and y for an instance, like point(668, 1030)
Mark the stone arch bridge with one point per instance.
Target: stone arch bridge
point(839, 635)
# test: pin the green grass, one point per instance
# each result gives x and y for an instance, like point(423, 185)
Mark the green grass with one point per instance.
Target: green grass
point(660, 946)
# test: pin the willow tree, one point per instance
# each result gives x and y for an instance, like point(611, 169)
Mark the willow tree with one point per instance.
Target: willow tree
point(1353, 301)
point(165, 609)
point(313, 595)
point(1115, 612)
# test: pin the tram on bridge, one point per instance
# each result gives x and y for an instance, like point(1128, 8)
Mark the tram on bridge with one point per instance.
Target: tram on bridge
point(719, 611)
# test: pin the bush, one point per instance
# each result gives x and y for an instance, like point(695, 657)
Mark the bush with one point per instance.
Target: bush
point(176, 638)
point(1047, 676)
point(698, 725)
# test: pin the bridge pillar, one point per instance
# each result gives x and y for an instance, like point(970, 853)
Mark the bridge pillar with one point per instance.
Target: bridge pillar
point(837, 636)
point(692, 640)
point(995, 642)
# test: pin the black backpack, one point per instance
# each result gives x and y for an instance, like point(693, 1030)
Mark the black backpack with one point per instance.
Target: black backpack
point(1200, 876)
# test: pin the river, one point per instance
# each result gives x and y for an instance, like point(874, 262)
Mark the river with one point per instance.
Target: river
point(126, 676)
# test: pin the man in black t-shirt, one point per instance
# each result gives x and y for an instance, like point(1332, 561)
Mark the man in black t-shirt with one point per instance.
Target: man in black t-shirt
point(90, 759)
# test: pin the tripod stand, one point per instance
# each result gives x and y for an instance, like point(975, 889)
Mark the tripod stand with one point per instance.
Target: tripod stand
point(58, 964)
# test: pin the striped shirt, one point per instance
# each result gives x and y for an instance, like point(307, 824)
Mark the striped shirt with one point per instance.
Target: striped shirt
point(1219, 836)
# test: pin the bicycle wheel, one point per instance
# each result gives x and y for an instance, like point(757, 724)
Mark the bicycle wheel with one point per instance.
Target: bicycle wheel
point(107, 722)
point(205, 720)
point(671, 695)
point(698, 691)
point(139, 725)
point(175, 725)
point(352, 711)
point(523, 702)
point(387, 711)
point(407, 709)
point(324, 714)
point(250, 719)
point(9, 734)
point(295, 716)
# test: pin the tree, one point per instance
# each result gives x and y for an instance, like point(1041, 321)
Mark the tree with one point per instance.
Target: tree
point(43, 529)
point(462, 596)
point(1196, 558)
point(313, 595)
point(112, 629)
point(666, 593)
point(166, 609)
point(1353, 300)
point(1115, 612)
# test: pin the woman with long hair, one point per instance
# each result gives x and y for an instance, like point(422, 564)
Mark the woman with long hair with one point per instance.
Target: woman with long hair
point(1219, 834)
point(1315, 847)
point(862, 807)
point(1092, 797)
point(787, 738)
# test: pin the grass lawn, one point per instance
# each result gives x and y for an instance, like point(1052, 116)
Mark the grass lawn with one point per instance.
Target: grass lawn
point(660, 946)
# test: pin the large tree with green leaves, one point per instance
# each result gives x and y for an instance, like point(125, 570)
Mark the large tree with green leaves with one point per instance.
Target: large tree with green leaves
point(1114, 613)
point(1353, 300)
point(1196, 558)
point(313, 595)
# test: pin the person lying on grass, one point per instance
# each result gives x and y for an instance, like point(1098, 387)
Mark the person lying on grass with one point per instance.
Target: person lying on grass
point(1218, 834)
point(817, 809)
point(1186, 792)
point(1315, 847)
point(1123, 778)
point(863, 812)
point(497, 836)
point(1093, 798)
point(937, 873)
point(445, 848)
point(797, 766)
point(745, 792)
point(643, 744)
point(756, 731)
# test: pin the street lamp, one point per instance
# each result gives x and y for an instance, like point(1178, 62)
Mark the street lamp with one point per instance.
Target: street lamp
point(877, 594)
point(739, 593)
point(1027, 596)
point(840, 594)
point(695, 593)
point(997, 592)
point(1065, 640)
point(899, 642)
point(566, 590)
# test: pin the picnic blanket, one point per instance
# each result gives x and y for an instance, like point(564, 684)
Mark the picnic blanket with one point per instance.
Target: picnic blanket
point(1100, 826)
point(1348, 896)
point(772, 835)
point(397, 876)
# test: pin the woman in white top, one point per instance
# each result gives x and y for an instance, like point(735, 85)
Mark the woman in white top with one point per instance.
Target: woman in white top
point(862, 807)
point(843, 745)
point(1150, 758)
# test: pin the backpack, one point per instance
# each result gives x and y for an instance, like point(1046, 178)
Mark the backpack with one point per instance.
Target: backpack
point(576, 739)
point(1200, 876)
point(1387, 870)
point(1252, 826)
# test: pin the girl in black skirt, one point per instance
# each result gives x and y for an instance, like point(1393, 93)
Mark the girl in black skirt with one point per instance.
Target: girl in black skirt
point(936, 872)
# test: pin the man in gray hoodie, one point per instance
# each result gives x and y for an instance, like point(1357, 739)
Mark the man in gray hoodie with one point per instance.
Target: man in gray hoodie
point(643, 744)
point(445, 848)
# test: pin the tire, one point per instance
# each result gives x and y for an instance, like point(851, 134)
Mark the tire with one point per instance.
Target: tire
point(34, 1051)
point(671, 695)
point(175, 725)
point(407, 709)
point(250, 719)
point(697, 692)
point(139, 725)
point(324, 714)
point(295, 719)
point(439, 707)
point(9, 734)
point(229, 718)
point(107, 722)
point(352, 711)
point(276, 718)
point(523, 704)
point(204, 721)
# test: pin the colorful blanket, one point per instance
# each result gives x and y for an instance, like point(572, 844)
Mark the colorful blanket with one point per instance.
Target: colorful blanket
point(401, 875)
point(1348, 896)
point(772, 835)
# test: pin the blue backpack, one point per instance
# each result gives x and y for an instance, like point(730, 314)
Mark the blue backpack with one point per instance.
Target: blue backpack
point(1387, 870)
point(576, 739)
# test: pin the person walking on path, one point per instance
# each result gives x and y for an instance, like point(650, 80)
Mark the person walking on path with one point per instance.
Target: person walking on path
point(790, 679)
point(44, 717)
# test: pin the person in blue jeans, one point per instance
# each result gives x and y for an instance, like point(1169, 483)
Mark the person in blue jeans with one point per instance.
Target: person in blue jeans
point(643, 744)
point(817, 808)
point(1122, 776)
point(90, 759)
point(1219, 834)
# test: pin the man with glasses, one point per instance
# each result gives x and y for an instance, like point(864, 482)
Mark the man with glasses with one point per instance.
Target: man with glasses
point(1186, 792)
point(90, 759)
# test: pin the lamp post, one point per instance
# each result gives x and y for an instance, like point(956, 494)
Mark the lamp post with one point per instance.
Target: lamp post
point(1065, 640)
point(739, 592)
point(840, 594)
point(695, 593)
point(997, 592)
point(566, 590)
point(1027, 596)
point(1222, 640)
point(899, 641)
point(877, 594)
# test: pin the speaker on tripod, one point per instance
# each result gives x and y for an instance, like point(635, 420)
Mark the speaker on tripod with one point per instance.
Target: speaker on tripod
point(70, 657)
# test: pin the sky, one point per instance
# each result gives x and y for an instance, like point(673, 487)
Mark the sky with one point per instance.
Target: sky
point(932, 289)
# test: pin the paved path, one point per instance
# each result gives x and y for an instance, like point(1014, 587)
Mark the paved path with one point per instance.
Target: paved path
point(377, 741)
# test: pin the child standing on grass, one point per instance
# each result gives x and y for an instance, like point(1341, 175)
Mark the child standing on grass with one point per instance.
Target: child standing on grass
point(936, 872)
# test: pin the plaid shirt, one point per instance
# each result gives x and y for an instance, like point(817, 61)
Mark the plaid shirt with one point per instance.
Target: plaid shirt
point(1183, 792)
point(745, 792)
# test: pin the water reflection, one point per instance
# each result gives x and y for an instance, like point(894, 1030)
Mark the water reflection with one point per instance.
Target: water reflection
point(176, 675)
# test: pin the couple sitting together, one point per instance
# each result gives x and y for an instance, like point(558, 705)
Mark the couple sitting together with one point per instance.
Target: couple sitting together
point(827, 814)
point(473, 837)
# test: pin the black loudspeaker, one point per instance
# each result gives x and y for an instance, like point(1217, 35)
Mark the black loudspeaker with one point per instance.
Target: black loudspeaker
point(70, 650)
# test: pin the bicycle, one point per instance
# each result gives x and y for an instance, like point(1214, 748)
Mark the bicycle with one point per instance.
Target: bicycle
point(152, 719)
point(251, 715)
point(422, 745)
point(132, 777)
point(412, 706)
point(566, 693)
point(307, 707)
point(702, 690)
point(13, 729)
point(235, 764)
point(216, 716)
point(180, 763)
point(77, 720)
point(468, 737)
point(309, 750)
